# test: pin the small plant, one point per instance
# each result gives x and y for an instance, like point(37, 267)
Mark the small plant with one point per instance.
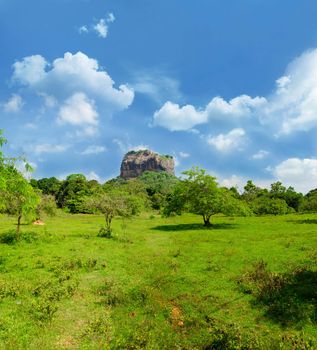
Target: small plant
point(9, 237)
point(105, 232)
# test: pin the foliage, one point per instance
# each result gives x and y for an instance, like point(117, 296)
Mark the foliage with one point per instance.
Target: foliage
point(158, 186)
point(73, 192)
point(47, 206)
point(48, 186)
point(112, 205)
point(199, 194)
point(290, 297)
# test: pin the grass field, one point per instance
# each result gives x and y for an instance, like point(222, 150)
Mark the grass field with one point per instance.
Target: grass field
point(160, 284)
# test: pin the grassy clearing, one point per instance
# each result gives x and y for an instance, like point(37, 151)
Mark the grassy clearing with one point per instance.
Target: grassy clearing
point(160, 284)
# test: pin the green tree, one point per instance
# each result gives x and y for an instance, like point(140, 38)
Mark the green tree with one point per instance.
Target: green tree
point(199, 194)
point(73, 192)
point(112, 205)
point(158, 185)
point(48, 186)
point(19, 196)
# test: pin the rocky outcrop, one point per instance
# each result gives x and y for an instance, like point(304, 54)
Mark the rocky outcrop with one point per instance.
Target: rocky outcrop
point(135, 163)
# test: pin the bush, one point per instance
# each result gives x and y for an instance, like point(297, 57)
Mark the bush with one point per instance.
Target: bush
point(9, 237)
point(105, 232)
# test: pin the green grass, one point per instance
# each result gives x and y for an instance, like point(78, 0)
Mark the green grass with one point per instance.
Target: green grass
point(158, 284)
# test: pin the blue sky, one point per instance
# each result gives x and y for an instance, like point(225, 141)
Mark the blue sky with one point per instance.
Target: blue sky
point(228, 85)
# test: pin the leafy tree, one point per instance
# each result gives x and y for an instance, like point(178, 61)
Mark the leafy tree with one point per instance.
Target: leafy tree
point(251, 192)
point(112, 205)
point(309, 202)
point(158, 185)
point(199, 194)
point(48, 186)
point(73, 192)
point(19, 196)
point(265, 205)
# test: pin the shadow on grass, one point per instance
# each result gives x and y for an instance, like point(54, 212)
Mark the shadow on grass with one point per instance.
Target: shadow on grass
point(304, 221)
point(189, 227)
point(289, 299)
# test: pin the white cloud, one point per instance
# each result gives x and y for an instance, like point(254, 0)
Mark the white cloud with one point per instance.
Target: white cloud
point(234, 140)
point(239, 107)
point(101, 28)
point(78, 110)
point(260, 155)
point(110, 17)
point(94, 149)
point(184, 154)
point(70, 74)
point(14, 104)
point(49, 148)
point(290, 108)
point(293, 105)
point(233, 181)
point(93, 176)
point(175, 118)
point(298, 173)
point(83, 29)
point(30, 70)
point(127, 146)
point(240, 182)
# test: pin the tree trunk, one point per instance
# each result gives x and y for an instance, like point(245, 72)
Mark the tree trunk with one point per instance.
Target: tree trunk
point(18, 226)
point(207, 221)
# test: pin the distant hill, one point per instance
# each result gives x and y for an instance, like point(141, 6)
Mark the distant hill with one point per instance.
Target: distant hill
point(135, 163)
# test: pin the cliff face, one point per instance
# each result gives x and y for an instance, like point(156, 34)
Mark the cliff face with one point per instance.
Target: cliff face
point(135, 163)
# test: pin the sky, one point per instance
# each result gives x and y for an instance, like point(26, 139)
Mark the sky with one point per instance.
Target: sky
point(226, 85)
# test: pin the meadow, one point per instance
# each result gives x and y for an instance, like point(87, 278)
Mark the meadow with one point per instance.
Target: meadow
point(160, 283)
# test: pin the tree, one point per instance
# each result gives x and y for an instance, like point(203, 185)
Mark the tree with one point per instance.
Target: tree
point(158, 185)
point(199, 194)
point(73, 192)
point(19, 196)
point(48, 186)
point(112, 205)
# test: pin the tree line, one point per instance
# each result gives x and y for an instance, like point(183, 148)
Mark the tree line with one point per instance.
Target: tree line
point(195, 192)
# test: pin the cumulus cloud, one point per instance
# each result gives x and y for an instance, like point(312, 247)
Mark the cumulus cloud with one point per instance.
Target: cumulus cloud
point(260, 155)
point(175, 118)
point(30, 70)
point(291, 107)
point(14, 104)
point(298, 173)
point(70, 74)
point(294, 102)
point(238, 107)
point(233, 140)
point(78, 110)
point(94, 149)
